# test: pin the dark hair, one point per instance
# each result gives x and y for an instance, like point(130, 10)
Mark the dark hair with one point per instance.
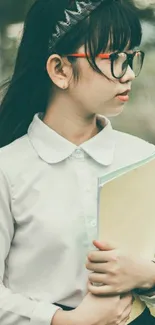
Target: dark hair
point(30, 86)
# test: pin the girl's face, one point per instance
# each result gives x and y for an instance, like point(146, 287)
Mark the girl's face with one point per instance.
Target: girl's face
point(98, 94)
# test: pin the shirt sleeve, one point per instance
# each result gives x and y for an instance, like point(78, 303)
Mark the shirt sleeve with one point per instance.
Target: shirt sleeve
point(150, 301)
point(16, 309)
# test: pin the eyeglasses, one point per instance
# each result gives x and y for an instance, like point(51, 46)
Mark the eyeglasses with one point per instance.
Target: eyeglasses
point(120, 62)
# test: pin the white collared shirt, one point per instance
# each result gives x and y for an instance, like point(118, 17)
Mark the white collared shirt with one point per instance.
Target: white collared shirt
point(48, 217)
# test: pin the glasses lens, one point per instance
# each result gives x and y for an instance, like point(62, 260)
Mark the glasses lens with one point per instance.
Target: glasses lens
point(120, 64)
point(137, 63)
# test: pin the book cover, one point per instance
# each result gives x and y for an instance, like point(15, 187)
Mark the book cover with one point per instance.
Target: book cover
point(126, 212)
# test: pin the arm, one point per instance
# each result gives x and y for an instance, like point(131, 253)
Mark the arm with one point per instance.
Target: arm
point(148, 295)
point(15, 308)
point(65, 318)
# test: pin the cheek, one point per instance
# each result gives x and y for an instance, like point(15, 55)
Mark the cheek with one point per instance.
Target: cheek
point(94, 86)
point(105, 67)
point(102, 87)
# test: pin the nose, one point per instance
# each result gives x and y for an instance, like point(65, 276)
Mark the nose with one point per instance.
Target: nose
point(129, 76)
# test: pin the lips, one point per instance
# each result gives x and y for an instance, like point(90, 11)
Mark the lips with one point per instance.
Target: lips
point(124, 97)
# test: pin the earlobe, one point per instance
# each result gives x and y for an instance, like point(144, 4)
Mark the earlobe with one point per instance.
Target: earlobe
point(64, 86)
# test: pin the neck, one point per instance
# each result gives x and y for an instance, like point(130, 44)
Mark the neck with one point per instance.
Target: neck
point(71, 122)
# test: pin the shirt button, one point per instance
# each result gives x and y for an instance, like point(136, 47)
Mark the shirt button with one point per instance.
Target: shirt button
point(79, 153)
point(93, 223)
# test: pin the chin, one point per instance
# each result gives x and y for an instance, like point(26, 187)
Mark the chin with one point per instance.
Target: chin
point(113, 111)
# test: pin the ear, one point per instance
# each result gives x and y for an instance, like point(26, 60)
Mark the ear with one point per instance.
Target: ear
point(59, 70)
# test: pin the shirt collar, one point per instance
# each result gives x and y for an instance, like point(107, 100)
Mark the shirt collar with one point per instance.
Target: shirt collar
point(53, 148)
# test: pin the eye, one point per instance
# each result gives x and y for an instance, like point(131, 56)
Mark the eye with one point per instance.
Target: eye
point(115, 56)
point(124, 64)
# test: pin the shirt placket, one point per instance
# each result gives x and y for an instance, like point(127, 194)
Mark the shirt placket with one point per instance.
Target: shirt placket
point(87, 182)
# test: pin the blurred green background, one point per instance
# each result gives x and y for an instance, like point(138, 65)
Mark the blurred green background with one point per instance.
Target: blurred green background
point(138, 117)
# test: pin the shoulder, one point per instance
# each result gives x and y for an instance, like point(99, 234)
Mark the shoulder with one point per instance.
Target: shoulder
point(15, 155)
point(131, 148)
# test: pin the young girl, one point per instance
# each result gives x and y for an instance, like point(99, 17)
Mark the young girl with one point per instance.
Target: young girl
point(74, 68)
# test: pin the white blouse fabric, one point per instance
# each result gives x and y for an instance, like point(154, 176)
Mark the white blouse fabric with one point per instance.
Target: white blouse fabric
point(48, 216)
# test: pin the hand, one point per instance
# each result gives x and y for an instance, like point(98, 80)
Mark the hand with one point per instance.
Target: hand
point(103, 310)
point(62, 317)
point(97, 311)
point(118, 272)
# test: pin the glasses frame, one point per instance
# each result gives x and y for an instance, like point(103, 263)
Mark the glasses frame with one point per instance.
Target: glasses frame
point(112, 57)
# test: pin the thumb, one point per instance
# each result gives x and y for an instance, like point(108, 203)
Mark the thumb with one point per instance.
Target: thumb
point(103, 246)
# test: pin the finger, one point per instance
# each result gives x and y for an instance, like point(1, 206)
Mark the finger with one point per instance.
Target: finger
point(102, 290)
point(98, 267)
point(98, 278)
point(126, 315)
point(103, 245)
point(100, 257)
point(109, 289)
point(125, 321)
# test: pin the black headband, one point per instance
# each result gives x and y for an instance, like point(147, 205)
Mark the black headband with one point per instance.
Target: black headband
point(72, 17)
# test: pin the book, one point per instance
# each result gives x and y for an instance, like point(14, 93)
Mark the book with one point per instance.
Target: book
point(126, 213)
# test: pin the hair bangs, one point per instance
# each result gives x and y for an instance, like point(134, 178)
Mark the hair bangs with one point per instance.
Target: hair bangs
point(112, 27)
